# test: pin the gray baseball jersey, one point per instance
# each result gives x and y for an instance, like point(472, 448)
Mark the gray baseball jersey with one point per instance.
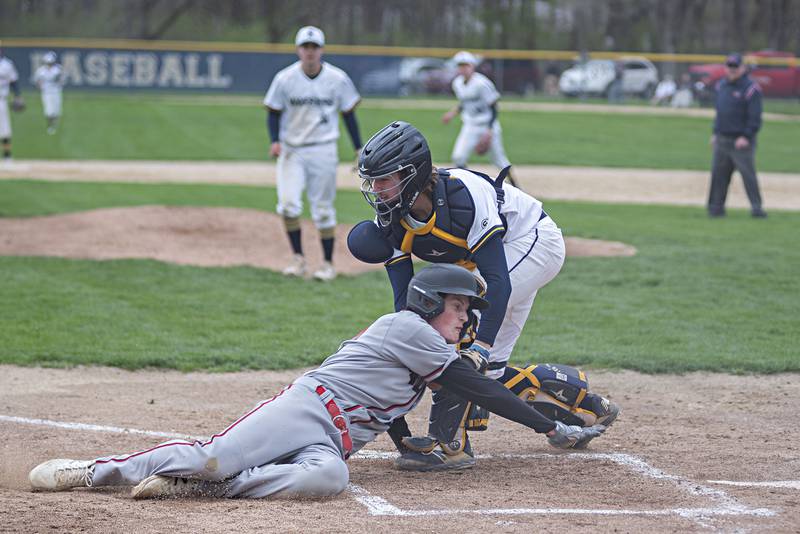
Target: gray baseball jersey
point(295, 443)
point(381, 375)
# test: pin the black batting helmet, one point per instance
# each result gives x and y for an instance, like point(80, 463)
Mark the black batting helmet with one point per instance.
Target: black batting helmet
point(398, 147)
point(427, 289)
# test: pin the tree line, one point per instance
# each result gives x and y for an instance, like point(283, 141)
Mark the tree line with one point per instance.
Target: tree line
point(672, 26)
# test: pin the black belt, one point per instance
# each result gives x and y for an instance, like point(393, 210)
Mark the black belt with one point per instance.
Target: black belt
point(495, 366)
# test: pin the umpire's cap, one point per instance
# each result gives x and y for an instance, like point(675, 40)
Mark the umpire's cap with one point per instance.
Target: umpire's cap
point(427, 289)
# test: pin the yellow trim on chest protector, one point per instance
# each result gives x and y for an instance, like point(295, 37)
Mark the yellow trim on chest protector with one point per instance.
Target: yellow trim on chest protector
point(429, 228)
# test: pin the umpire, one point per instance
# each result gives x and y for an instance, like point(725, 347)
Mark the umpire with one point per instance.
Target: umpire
point(736, 124)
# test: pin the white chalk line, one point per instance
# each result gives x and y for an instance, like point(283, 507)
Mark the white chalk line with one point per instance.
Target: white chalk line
point(380, 506)
point(792, 484)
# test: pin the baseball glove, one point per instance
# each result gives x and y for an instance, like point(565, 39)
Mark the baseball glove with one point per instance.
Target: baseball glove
point(483, 145)
point(567, 436)
point(18, 105)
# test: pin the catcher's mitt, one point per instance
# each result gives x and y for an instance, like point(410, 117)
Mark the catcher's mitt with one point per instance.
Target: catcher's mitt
point(18, 105)
point(483, 145)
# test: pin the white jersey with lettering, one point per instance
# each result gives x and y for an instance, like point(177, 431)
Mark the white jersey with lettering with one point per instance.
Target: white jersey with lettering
point(49, 78)
point(310, 106)
point(8, 75)
point(476, 96)
point(381, 374)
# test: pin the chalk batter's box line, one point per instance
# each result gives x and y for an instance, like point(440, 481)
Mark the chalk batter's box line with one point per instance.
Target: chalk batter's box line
point(379, 506)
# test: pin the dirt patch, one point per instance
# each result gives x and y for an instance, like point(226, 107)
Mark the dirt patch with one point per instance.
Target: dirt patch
point(218, 237)
point(682, 430)
point(590, 184)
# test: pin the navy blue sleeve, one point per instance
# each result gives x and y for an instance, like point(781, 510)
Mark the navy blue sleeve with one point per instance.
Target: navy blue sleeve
point(493, 109)
point(274, 124)
point(717, 96)
point(400, 271)
point(462, 379)
point(491, 261)
point(352, 128)
point(753, 97)
point(14, 88)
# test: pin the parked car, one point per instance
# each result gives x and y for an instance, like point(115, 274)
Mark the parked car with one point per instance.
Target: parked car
point(594, 77)
point(406, 77)
point(775, 80)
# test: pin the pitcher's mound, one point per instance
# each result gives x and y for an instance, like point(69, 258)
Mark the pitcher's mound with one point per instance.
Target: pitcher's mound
point(208, 237)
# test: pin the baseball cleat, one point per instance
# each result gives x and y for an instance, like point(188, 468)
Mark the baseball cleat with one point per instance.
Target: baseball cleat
point(161, 487)
point(434, 461)
point(326, 273)
point(297, 267)
point(62, 474)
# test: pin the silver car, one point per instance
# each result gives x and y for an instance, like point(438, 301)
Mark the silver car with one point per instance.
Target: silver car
point(639, 77)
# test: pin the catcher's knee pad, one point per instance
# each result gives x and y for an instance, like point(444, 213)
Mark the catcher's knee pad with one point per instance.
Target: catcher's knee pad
point(557, 391)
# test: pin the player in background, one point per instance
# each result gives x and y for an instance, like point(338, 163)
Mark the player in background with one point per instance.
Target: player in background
point(477, 104)
point(49, 79)
point(296, 443)
point(303, 104)
point(8, 79)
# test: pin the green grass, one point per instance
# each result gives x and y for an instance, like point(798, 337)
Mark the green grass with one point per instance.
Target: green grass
point(105, 126)
point(701, 294)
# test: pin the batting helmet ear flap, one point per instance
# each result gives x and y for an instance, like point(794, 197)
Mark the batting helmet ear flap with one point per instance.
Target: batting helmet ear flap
point(367, 243)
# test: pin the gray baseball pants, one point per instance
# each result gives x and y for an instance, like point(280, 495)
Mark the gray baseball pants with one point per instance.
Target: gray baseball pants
point(286, 446)
point(726, 158)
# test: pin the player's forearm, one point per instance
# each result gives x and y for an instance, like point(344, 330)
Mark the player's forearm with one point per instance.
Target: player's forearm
point(400, 271)
point(461, 379)
point(274, 125)
point(14, 88)
point(351, 124)
point(491, 261)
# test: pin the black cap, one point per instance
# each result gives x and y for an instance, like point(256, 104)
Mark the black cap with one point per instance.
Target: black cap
point(734, 60)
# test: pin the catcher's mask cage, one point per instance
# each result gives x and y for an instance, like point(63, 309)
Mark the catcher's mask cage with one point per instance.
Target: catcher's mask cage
point(427, 290)
point(396, 148)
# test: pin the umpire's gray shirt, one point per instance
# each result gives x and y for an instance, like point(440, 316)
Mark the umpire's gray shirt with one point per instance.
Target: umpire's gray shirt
point(381, 374)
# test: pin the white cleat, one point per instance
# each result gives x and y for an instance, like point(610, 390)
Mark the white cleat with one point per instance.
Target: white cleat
point(297, 267)
point(161, 487)
point(326, 273)
point(61, 474)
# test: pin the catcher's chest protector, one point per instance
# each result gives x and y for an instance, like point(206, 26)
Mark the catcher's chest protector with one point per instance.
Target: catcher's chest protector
point(444, 238)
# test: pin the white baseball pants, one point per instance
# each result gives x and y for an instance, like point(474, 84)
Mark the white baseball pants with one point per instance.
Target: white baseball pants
point(313, 169)
point(533, 261)
point(468, 138)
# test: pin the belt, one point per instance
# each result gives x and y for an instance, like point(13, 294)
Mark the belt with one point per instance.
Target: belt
point(495, 366)
point(339, 422)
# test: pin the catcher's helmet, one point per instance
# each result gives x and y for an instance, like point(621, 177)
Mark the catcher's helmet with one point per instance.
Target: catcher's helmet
point(398, 147)
point(427, 289)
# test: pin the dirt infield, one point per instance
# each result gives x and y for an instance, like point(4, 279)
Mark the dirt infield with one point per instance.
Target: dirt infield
point(649, 473)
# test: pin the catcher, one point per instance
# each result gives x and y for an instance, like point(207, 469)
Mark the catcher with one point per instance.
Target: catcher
point(466, 218)
point(8, 79)
point(296, 444)
point(477, 104)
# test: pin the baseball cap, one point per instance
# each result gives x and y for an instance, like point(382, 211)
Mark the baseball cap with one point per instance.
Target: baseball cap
point(733, 60)
point(309, 34)
point(465, 57)
point(49, 57)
